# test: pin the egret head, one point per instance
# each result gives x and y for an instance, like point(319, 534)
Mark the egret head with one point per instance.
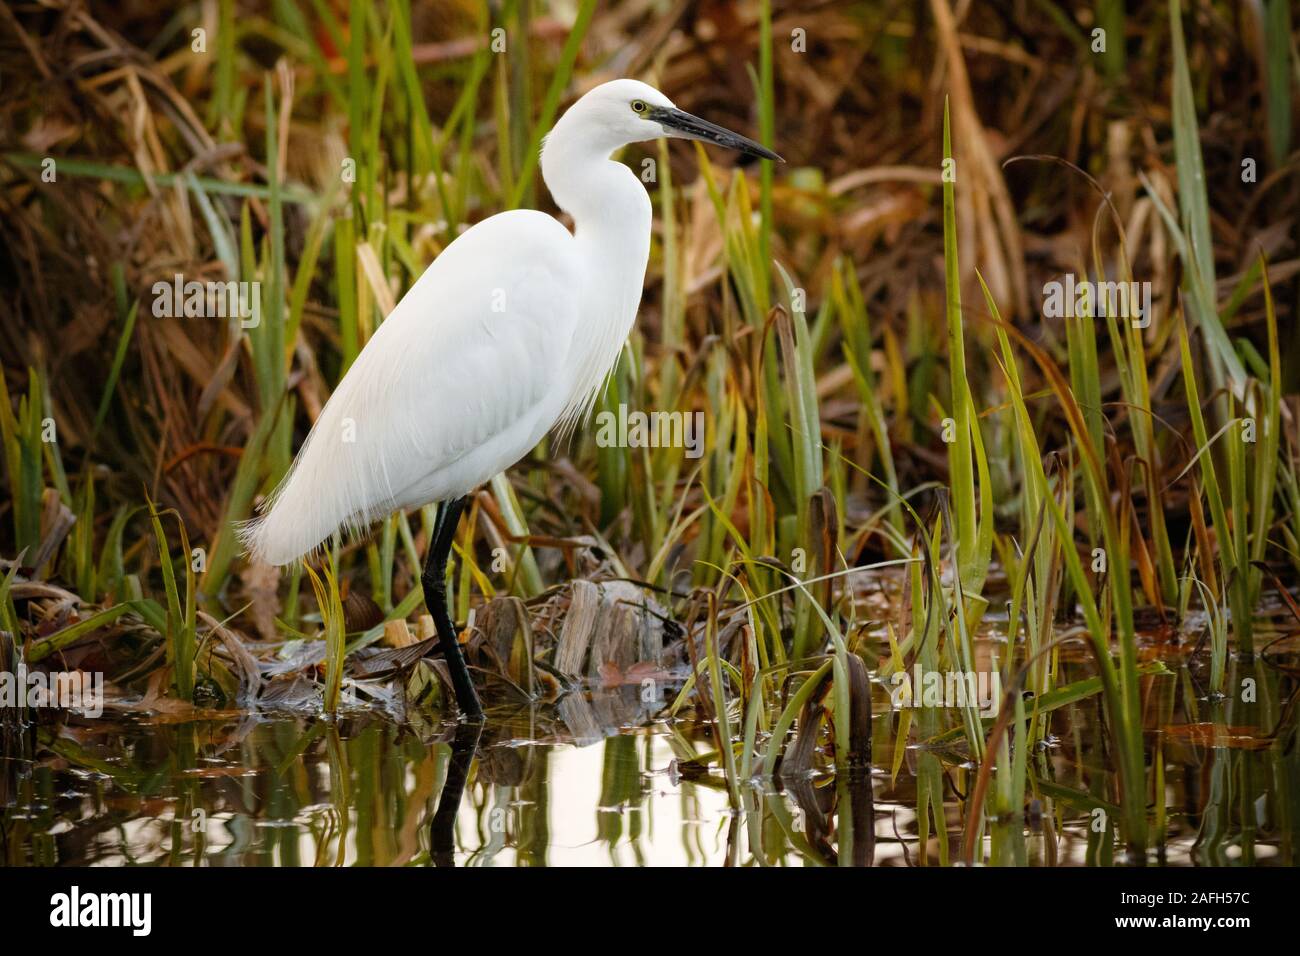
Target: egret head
point(629, 111)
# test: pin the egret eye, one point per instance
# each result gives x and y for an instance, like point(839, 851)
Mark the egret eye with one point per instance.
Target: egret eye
point(638, 106)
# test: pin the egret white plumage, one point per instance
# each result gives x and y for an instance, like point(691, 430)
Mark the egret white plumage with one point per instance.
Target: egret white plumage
point(508, 333)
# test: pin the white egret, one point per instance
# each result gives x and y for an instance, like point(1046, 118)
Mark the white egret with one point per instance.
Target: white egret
point(508, 333)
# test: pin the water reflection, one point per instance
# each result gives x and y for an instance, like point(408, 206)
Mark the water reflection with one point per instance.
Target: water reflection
point(442, 830)
point(541, 788)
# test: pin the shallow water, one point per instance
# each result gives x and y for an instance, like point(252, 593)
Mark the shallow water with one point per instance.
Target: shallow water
point(240, 790)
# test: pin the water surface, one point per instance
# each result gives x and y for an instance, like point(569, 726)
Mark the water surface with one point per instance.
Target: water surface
point(235, 789)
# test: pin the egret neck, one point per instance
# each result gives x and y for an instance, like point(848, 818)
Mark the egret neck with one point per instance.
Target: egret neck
point(612, 217)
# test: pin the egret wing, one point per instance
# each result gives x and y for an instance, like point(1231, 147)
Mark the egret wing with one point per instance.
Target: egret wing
point(464, 376)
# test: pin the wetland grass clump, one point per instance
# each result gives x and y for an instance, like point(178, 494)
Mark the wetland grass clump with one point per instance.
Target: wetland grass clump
point(909, 468)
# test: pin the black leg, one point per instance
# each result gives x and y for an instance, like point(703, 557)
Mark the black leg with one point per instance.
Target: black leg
point(434, 581)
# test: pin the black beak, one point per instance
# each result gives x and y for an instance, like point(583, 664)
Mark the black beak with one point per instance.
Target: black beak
point(679, 123)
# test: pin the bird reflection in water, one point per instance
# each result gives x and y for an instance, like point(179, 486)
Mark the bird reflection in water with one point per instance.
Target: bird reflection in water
point(442, 830)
